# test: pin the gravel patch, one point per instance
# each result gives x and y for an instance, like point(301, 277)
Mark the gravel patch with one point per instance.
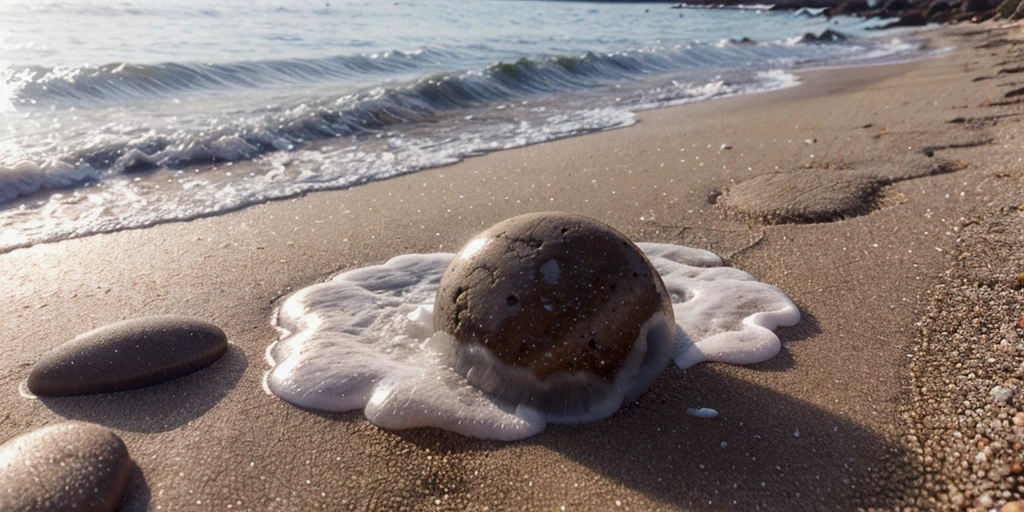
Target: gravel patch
point(966, 416)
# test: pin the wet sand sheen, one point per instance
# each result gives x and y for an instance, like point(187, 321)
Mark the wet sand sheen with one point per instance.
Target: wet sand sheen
point(817, 426)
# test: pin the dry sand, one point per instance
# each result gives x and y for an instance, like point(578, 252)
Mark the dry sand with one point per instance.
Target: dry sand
point(823, 425)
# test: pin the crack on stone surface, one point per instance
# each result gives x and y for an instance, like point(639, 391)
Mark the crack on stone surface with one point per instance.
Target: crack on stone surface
point(460, 305)
point(461, 296)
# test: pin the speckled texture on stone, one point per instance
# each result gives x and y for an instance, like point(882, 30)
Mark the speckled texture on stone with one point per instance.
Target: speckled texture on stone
point(128, 355)
point(551, 292)
point(70, 466)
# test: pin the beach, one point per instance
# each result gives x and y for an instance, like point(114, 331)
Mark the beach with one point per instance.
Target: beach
point(885, 176)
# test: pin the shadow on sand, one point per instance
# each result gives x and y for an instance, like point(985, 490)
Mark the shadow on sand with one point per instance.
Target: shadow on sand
point(158, 408)
point(765, 451)
point(138, 494)
point(807, 328)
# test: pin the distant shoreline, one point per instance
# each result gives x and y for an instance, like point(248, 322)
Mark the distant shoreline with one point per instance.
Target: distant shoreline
point(905, 13)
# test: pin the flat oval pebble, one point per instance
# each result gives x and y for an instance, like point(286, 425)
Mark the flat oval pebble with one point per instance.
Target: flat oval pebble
point(128, 355)
point(70, 466)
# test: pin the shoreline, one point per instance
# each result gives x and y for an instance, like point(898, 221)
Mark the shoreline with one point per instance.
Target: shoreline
point(56, 214)
point(818, 426)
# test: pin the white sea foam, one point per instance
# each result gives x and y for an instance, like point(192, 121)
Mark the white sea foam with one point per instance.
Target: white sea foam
point(27, 177)
point(681, 93)
point(365, 340)
point(128, 200)
point(6, 91)
point(724, 314)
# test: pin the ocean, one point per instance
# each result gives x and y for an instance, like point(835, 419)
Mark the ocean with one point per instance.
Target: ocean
point(119, 115)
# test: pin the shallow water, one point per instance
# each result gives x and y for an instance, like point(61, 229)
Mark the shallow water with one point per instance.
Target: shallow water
point(122, 115)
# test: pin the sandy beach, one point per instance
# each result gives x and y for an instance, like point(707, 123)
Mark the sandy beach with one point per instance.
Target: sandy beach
point(865, 194)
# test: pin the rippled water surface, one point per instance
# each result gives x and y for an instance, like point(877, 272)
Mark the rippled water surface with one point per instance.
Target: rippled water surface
point(116, 115)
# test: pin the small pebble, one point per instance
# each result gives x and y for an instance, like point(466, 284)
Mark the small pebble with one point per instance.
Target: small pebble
point(1013, 506)
point(1018, 419)
point(703, 412)
point(128, 355)
point(68, 466)
point(1001, 394)
point(985, 501)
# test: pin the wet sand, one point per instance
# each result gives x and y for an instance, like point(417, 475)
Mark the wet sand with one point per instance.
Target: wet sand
point(921, 148)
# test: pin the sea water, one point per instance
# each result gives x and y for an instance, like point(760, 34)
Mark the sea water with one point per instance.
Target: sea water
point(122, 114)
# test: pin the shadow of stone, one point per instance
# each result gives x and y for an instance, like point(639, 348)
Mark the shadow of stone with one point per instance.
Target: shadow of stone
point(781, 362)
point(806, 328)
point(764, 451)
point(139, 495)
point(441, 441)
point(161, 407)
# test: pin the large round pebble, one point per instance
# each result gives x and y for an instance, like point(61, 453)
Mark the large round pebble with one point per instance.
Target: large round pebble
point(551, 293)
point(71, 466)
point(128, 355)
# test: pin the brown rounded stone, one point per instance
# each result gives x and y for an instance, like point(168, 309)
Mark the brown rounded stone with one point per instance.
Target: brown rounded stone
point(68, 466)
point(551, 292)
